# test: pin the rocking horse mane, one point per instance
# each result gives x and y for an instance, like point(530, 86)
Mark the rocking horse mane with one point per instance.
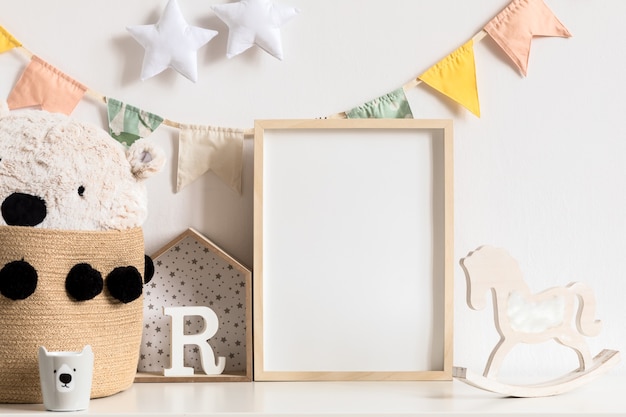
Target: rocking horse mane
point(485, 264)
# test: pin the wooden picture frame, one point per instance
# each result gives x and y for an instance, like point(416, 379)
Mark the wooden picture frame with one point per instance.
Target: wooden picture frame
point(353, 249)
point(190, 271)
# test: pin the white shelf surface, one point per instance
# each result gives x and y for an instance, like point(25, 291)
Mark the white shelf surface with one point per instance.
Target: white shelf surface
point(604, 396)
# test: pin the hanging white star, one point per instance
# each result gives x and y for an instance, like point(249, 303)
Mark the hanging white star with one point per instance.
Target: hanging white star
point(253, 22)
point(171, 43)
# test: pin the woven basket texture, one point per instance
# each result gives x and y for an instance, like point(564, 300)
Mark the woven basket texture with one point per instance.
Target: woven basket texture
point(51, 318)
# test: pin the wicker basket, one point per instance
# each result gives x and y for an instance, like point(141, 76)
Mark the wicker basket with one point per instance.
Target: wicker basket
point(50, 318)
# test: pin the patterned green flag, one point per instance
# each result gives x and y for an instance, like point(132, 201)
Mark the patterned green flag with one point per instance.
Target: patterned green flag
point(128, 123)
point(393, 105)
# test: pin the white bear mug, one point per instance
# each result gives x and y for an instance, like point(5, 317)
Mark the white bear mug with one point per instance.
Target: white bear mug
point(66, 379)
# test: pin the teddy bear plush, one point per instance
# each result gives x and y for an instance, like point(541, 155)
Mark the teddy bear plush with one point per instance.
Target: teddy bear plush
point(58, 173)
point(72, 263)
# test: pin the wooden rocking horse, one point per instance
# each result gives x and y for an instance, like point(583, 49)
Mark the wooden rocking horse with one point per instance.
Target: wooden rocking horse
point(523, 317)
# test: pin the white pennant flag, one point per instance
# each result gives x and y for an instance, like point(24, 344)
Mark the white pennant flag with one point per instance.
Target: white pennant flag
point(208, 148)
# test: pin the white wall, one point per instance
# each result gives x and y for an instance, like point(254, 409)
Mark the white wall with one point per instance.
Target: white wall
point(541, 173)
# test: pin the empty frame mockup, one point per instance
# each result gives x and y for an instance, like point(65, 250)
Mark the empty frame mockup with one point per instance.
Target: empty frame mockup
point(353, 257)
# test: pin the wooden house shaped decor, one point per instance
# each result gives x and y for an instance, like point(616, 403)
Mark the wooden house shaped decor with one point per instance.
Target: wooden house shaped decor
point(192, 271)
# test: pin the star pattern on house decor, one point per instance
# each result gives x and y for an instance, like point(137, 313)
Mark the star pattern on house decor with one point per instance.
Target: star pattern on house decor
point(188, 274)
point(171, 43)
point(254, 22)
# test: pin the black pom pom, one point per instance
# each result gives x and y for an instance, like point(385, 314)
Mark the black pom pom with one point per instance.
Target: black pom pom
point(21, 209)
point(83, 282)
point(148, 269)
point(124, 283)
point(18, 280)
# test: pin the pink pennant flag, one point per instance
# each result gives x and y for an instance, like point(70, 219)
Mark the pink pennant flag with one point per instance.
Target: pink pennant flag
point(515, 26)
point(42, 85)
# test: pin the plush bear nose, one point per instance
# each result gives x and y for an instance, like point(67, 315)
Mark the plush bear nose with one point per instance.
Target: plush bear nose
point(21, 209)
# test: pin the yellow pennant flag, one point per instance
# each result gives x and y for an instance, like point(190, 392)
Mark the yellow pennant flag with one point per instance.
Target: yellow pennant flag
point(7, 41)
point(455, 76)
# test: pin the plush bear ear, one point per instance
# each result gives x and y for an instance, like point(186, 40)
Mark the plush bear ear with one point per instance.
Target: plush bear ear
point(145, 159)
point(4, 108)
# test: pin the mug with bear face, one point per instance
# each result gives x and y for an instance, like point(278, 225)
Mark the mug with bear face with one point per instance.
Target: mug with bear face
point(66, 379)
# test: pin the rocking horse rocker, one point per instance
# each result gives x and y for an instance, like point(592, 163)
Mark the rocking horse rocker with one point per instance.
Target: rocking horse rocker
point(523, 317)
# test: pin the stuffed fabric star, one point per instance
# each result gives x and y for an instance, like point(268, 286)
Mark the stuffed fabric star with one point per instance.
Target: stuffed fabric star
point(171, 43)
point(253, 22)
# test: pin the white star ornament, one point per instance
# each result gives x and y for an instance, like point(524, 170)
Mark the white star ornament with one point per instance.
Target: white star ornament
point(171, 43)
point(254, 22)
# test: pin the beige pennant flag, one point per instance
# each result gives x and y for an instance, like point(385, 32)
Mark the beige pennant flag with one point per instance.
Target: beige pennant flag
point(207, 148)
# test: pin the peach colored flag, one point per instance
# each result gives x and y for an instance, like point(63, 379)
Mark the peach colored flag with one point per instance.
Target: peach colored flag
point(515, 26)
point(455, 76)
point(7, 41)
point(44, 86)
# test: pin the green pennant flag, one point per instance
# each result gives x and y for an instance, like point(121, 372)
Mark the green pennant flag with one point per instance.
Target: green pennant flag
point(128, 123)
point(393, 105)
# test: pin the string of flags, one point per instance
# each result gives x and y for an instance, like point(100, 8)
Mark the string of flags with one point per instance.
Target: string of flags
point(219, 149)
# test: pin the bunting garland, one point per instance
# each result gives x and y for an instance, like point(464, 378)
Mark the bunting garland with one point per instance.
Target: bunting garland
point(219, 149)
